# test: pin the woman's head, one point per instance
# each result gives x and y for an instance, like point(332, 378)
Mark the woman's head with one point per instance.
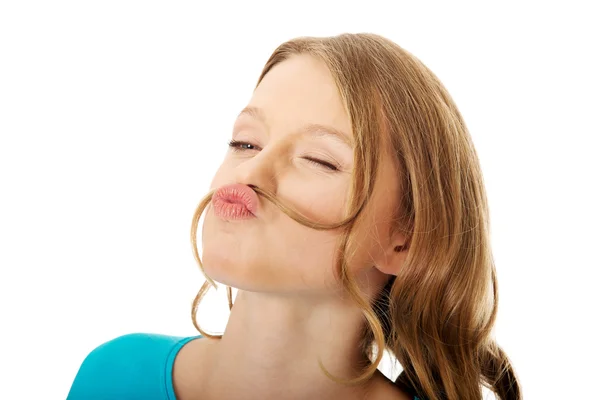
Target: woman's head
point(295, 140)
point(401, 173)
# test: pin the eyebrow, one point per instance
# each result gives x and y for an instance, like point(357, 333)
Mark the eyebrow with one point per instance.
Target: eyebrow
point(313, 129)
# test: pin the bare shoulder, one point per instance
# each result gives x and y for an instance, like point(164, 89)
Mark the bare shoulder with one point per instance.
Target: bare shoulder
point(190, 366)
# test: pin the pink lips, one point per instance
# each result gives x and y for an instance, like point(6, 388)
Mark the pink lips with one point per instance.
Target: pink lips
point(235, 201)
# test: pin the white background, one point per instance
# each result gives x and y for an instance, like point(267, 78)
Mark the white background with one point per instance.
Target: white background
point(114, 115)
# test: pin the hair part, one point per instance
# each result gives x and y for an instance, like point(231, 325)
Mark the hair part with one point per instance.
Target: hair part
point(436, 316)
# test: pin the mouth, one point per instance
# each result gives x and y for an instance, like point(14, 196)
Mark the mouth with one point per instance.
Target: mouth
point(231, 210)
point(235, 202)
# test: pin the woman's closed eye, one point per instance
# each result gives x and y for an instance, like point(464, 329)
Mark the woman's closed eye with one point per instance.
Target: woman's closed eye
point(237, 146)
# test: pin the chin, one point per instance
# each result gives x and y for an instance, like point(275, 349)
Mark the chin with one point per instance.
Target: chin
point(247, 275)
point(226, 269)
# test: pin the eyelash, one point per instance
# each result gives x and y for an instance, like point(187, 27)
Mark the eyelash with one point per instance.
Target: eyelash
point(235, 146)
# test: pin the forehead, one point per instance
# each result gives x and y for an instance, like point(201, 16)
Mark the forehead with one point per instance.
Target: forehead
point(298, 91)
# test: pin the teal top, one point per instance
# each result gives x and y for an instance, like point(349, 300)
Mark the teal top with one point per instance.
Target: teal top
point(137, 366)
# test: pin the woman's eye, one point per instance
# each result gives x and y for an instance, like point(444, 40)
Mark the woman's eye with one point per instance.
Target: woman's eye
point(322, 163)
point(237, 145)
point(241, 146)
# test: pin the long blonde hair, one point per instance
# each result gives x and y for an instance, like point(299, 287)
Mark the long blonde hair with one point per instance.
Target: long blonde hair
point(437, 314)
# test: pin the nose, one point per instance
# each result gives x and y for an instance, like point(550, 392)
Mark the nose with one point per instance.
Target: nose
point(261, 170)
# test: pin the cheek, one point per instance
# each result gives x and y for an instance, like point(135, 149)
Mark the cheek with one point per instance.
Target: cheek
point(370, 237)
point(323, 201)
point(304, 255)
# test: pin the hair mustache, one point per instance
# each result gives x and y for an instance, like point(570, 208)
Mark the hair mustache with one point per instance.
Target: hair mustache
point(287, 209)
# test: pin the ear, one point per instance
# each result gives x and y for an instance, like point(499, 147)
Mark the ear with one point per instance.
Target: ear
point(392, 259)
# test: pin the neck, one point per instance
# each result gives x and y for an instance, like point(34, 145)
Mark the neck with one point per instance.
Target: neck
point(271, 347)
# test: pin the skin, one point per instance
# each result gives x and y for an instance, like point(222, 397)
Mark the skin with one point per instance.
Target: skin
point(289, 310)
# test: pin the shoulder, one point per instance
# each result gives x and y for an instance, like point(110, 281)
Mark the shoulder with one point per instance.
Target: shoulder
point(131, 366)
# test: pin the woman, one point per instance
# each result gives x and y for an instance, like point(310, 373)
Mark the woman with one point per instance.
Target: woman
point(350, 212)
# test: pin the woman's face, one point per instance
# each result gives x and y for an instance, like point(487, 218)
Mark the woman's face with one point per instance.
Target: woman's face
point(281, 149)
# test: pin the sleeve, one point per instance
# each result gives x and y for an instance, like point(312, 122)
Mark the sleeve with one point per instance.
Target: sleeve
point(129, 367)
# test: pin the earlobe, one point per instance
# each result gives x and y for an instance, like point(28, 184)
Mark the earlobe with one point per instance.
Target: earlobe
point(394, 260)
